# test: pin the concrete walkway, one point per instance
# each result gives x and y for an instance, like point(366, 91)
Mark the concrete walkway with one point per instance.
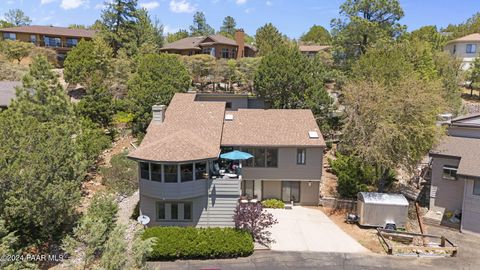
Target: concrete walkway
point(306, 229)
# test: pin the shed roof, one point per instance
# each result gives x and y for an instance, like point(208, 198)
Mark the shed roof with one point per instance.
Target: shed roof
point(383, 198)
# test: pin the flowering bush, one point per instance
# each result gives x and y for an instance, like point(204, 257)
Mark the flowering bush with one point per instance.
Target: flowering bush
point(252, 218)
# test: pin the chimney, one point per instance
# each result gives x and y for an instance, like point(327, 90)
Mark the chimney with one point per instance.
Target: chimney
point(158, 112)
point(240, 40)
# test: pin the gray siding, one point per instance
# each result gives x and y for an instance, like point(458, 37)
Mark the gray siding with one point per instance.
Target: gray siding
point(309, 195)
point(237, 102)
point(471, 209)
point(445, 194)
point(288, 169)
point(213, 210)
point(467, 132)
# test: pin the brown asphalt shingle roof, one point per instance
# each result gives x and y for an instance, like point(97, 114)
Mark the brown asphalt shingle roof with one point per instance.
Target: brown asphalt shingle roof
point(468, 38)
point(313, 48)
point(467, 149)
point(194, 43)
point(51, 30)
point(195, 130)
point(191, 130)
point(255, 127)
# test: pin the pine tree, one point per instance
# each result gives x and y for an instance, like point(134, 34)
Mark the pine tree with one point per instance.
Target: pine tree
point(200, 26)
point(228, 27)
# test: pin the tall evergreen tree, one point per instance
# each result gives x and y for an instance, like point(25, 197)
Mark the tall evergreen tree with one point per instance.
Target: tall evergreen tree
point(229, 26)
point(200, 27)
point(267, 38)
point(119, 19)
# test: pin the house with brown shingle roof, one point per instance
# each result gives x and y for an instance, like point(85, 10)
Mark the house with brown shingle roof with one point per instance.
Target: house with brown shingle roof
point(312, 50)
point(465, 48)
point(184, 182)
point(455, 180)
point(215, 45)
point(61, 39)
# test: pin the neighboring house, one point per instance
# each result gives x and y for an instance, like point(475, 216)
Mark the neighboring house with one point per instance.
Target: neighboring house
point(182, 180)
point(312, 50)
point(61, 39)
point(455, 185)
point(7, 92)
point(215, 45)
point(465, 48)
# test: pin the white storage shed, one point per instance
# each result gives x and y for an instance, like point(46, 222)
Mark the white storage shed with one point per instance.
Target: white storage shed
point(378, 209)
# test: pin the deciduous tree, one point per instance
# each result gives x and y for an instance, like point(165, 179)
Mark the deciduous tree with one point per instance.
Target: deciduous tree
point(316, 35)
point(15, 50)
point(252, 218)
point(16, 17)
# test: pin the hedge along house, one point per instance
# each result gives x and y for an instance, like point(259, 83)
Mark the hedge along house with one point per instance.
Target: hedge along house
point(455, 185)
point(184, 183)
point(60, 39)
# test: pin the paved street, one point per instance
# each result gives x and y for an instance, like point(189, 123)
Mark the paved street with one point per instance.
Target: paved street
point(306, 229)
point(273, 260)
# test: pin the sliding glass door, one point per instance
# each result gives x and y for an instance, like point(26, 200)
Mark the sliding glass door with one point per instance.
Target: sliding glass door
point(290, 191)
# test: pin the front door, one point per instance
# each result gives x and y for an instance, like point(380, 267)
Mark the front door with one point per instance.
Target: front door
point(290, 191)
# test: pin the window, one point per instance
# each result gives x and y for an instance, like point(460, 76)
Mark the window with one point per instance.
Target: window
point(450, 172)
point(52, 42)
point(207, 50)
point(259, 157)
point(9, 36)
point(476, 187)
point(156, 172)
point(72, 42)
point(161, 210)
point(301, 156)
point(471, 48)
point(144, 171)
point(225, 52)
point(272, 157)
point(174, 211)
point(291, 191)
point(33, 39)
point(262, 157)
point(228, 105)
point(187, 211)
point(200, 170)
point(187, 172)
point(170, 173)
point(233, 53)
point(171, 211)
point(248, 188)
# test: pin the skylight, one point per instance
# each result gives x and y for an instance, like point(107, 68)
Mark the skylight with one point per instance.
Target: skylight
point(229, 117)
point(313, 135)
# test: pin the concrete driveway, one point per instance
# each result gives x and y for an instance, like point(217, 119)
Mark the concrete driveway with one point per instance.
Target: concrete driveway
point(307, 229)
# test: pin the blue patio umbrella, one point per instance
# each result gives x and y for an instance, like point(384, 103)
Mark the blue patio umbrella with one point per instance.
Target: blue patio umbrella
point(236, 155)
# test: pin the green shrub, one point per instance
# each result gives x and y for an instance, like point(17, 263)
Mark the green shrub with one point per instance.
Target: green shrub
point(273, 203)
point(198, 243)
point(136, 211)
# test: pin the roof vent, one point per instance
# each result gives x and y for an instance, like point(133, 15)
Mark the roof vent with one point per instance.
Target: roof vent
point(313, 135)
point(229, 117)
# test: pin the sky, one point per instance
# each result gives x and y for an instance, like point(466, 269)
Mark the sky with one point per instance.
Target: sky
point(292, 17)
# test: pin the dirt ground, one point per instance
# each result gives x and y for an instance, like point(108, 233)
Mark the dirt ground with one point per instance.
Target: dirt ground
point(93, 183)
point(328, 186)
point(367, 237)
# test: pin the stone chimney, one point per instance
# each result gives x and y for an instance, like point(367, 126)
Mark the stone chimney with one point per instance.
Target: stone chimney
point(158, 112)
point(240, 39)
